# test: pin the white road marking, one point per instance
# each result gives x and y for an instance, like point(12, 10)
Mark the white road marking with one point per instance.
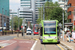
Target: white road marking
point(7, 43)
point(24, 42)
point(12, 43)
point(33, 45)
point(4, 41)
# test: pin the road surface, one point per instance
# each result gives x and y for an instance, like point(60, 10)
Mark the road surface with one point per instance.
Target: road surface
point(40, 46)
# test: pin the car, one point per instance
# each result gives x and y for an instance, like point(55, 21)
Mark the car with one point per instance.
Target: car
point(29, 31)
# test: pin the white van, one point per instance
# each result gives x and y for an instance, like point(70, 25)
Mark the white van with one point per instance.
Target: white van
point(28, 32)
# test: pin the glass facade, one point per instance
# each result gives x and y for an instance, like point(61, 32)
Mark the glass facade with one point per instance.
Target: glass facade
point(5, 5)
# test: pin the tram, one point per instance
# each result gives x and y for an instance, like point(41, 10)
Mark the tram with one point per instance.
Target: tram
point(49, 31)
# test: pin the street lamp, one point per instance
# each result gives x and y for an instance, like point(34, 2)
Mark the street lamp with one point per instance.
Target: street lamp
point(2, 20)
point(73, 17)
point(18, 23)
point(12, 22)
point(6, 19)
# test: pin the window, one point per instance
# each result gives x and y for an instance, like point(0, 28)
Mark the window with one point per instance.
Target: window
point(70, 4)
point(50, 27)
point(25, 2)
point(50, 30)
point(70, 13)
point(70, 20)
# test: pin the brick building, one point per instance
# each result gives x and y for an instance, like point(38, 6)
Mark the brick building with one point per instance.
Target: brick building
point(71, 3)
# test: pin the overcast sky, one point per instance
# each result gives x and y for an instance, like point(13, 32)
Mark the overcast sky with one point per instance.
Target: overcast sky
point(15, 4)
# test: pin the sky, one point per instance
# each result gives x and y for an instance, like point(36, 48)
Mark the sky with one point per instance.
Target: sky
point(15, 4)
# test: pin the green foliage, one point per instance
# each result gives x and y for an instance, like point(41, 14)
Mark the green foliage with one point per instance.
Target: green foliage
point(16, 21)
point(52, 12)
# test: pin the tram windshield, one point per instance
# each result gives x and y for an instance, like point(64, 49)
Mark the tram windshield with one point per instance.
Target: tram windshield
point(50, 27)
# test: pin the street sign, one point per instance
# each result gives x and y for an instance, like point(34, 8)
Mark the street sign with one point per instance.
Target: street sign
point(5, 24)
point(21, 26)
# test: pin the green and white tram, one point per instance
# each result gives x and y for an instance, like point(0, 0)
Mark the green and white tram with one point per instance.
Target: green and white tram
point(48, 31)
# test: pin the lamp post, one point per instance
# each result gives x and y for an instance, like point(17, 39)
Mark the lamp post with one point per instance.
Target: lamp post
point(73, 17)
point(41, 11)
point(12, 23)
point(6, 19)
point(2, 20)
point(18, 23)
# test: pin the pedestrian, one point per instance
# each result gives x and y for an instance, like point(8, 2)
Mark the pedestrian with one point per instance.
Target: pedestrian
point(73, 36)
point(68, 36)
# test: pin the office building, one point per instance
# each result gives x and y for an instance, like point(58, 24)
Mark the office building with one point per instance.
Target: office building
point(4, 14)
point(38, 4)
point(14, 14)
point(63, 4)
point(27, 14)
point(26, 10)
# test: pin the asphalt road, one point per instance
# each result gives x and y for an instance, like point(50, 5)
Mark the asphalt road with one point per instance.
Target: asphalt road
point(15, 44)
point(7, 37)
point(40, 46)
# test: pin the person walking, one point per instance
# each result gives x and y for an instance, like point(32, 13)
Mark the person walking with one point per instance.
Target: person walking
point(73, 36)
point(68, 35)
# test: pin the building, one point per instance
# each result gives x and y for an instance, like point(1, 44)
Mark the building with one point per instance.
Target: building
point(26, 14)
point(25, 3)
point(38, 4)
point(63, 4)
point(26, 10)
point(14, 14)
point(29, 9)
point(4, 14)
point(71, 3)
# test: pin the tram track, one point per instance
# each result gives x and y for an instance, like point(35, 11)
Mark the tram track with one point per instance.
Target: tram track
point(59, 46)
point(40, 46)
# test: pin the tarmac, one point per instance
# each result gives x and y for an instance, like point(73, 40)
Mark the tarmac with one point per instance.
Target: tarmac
point(69, 45)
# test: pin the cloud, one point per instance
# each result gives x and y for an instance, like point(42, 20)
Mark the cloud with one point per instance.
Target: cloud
point(14, 4)
point(14, 1)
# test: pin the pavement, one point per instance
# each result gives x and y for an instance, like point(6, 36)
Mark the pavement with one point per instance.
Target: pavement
point(69, 45)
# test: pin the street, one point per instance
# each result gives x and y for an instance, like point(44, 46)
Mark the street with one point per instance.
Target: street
point(10, 43)
point(7, 37)
point(40, 46)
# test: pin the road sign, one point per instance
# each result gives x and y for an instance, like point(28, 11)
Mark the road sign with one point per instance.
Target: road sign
point(21, 26)
point(5, 24)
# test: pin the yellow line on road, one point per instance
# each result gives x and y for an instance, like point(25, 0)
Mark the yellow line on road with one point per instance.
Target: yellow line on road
point(60, 47)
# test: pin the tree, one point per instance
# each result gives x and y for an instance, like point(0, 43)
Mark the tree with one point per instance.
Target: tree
point(16, 20)
point(52, 12)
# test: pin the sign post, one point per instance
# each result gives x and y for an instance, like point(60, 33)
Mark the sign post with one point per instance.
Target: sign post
point(73, 17)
